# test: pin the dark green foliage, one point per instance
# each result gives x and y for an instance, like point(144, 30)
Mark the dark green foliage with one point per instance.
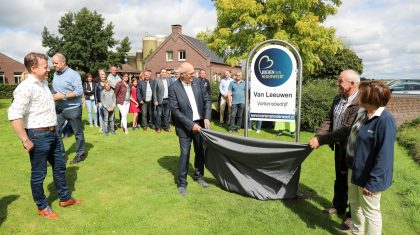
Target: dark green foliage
point(333, 64)
point(317, 97)
point(214, 90)
point(86, 41)
point(6, 91)
point(408, 136)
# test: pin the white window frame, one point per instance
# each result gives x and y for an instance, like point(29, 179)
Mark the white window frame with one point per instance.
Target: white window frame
point(169, 54)
point(18, 77)
point(2, 78)
point(179, 55)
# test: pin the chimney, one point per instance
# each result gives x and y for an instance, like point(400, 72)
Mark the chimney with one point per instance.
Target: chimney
point(176, 28)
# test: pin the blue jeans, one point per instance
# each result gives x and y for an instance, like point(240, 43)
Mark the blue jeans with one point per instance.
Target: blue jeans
point(259, 123)
point(47, 147)
point(163, 109)
point(237, 113)
point(74, 117)
point(91, 106)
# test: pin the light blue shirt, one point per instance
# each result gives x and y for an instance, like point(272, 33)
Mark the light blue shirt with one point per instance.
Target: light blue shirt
point(67, 81)
point(224, 86)
point(238, 92)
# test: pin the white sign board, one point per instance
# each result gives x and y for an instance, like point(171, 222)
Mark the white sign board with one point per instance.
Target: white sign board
point(273, 85)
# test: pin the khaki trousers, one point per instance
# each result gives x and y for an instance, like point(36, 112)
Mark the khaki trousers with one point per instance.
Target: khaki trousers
point(365, 210)
point(223, 104)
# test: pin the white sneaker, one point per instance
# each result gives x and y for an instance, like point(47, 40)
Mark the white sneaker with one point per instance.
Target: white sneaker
point(91, 125)
point(258, 131)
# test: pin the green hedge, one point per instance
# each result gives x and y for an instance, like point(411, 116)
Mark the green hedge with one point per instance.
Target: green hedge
point(408, 136)
point(6, 91)
point(317, 97)
point(214, 90)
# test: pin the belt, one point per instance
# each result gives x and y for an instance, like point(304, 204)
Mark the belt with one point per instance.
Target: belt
point(50, 128)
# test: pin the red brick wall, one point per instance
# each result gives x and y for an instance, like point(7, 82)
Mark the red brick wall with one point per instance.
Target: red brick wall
point(404, 107)
point(175, 44)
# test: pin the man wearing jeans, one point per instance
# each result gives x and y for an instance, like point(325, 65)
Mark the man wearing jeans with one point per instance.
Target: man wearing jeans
point(32, 115)
point(68, 89)
point(236, 99)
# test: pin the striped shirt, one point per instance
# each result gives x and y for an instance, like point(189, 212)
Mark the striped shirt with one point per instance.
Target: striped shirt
point(339, 109)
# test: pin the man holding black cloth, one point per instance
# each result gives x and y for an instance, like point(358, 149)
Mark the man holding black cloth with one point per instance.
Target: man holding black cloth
point(191, 107)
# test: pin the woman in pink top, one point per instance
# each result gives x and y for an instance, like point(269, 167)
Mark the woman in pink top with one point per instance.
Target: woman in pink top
point(134, 104)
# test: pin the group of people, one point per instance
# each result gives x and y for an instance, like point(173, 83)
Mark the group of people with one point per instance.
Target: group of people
point(145, 97)
point(362, 133)
point(358, 127)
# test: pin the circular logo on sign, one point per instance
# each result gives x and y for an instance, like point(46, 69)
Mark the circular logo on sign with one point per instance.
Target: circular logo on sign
point(273, 66)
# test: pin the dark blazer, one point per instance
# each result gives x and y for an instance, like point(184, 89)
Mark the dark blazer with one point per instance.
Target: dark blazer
point(181, 108)
point(374, 153)
point(159, 89)
point(142, 88)
point(91, 92)
point(337, 139)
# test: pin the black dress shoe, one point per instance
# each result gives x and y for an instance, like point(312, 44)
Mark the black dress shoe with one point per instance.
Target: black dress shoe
point(202, 182)
point(182, 191)
point(76, 159)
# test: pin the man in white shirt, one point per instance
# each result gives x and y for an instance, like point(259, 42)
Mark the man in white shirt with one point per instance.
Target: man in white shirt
point(32, 115)
point(224, 94)
point(113, 77)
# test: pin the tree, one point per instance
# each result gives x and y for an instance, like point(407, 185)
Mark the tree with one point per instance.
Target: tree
point(86, 42)
point(332, 65)
point(242, 24)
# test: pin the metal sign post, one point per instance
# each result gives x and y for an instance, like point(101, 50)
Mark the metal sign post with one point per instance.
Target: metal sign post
point(277, 62)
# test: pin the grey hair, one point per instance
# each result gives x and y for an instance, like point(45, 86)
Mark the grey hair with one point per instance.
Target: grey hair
point(352, 75)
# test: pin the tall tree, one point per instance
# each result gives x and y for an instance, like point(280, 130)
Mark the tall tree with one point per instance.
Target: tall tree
point(333, 64)
point(86, 42)
point(242, 24)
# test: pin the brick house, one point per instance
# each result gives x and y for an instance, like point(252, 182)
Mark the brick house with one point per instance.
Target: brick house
point(178, 48)
point(10, 70)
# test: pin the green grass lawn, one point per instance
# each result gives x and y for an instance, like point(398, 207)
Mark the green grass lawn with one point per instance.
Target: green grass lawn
point(128, 184)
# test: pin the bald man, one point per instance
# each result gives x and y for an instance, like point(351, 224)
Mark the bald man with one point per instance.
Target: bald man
point(191, 108)
point(68, 91)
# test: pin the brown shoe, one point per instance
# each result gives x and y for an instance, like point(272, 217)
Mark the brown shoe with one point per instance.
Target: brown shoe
point(330, 211)
point(157, 131)
point(48, 213)
point(71, 201)
point(346, 225)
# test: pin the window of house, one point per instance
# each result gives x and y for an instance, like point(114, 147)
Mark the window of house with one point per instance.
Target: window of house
point(17, 78)
point(2, 78)
point(169, 56)
point(181, 55)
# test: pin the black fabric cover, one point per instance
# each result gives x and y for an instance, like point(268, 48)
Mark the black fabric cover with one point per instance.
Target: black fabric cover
point(260, 169)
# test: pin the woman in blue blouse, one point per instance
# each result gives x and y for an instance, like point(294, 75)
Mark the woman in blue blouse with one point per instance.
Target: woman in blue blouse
point(370, 157)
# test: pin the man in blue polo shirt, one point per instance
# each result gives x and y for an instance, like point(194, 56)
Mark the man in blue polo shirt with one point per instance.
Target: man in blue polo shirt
point(237, 102)
point(68, 90)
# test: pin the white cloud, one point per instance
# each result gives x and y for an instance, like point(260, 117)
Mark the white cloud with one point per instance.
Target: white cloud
point(383, 33)
point(22, 22)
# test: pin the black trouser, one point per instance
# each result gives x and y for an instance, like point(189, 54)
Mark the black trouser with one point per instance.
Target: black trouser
point(147, 114)
point(340, 200)
point(184, 158)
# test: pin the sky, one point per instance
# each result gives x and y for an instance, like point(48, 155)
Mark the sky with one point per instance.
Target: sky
point(384, 33)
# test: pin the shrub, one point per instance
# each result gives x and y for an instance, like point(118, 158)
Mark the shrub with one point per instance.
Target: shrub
point(214, 90)
point(6, 91)
point(317, 97)
point(408, 137)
